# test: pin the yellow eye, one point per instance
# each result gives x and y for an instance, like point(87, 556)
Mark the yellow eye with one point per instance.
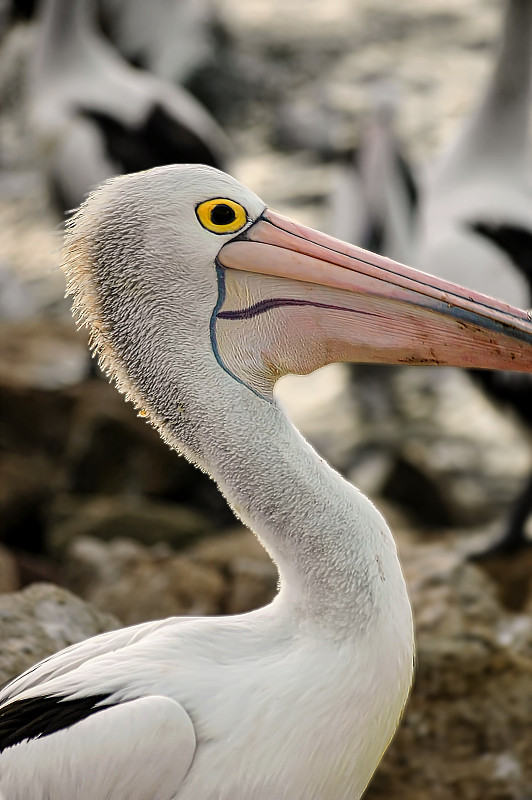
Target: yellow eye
point(221, 215)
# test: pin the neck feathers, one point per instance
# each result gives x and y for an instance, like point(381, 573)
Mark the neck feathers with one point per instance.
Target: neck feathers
point(497, 134)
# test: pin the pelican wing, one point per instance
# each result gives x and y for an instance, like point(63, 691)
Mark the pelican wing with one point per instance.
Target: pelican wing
point(134, 749)
point(62, 738)
point(74, 656)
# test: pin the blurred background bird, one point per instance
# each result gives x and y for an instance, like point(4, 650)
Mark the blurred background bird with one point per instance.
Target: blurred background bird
point(375, 200)
point(95, 116)
point(374, 203)
point(468, 218)
point(475, 222)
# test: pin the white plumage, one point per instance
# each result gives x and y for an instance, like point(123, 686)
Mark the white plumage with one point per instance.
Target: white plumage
point(198, 298)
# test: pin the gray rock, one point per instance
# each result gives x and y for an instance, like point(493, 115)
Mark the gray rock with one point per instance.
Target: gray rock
point(9, 578)
point(142, 583)
point(251, 576)
point(466, 731)
point(227, 574)
point(85, 440)
point(41, 620)
point(145, 521)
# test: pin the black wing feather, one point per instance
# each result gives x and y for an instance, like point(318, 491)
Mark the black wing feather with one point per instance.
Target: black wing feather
point(34, 717)
point(161, 139)
point(514, 241)
point(514, 389)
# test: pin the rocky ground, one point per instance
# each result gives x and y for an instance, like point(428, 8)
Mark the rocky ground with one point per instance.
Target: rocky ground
point(102, 525)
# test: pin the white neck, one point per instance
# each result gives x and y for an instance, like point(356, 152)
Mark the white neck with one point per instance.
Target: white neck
point(497, 134)
point(68, 37)
point(336, 557)
point(62, 20)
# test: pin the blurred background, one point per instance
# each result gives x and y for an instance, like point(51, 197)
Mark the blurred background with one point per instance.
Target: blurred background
point(336, 114)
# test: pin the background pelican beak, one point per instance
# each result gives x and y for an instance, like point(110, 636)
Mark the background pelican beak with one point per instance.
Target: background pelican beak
point(390, 313)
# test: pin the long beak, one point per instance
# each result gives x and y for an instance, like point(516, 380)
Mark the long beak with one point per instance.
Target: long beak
point(417, 318)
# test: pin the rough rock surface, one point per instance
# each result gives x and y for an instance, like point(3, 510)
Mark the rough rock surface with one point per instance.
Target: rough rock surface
point(9, 576)
point(251, 577)
point(40, 620)
point(66, 444)
point(139, 583)
point(227, 574)
point(145, 521)
point(466, 733)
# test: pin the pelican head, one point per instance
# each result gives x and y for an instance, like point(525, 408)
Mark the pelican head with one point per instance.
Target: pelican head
point(191, 285)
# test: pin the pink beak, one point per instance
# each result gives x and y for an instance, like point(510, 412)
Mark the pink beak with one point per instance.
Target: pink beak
point(401, 315)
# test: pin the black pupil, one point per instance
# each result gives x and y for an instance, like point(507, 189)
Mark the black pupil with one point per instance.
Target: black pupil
point(222, 214)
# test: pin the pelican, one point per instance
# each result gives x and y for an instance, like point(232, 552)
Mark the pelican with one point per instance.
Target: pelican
point(374, 204)
point(476, 219)
point(198, 298)
point(375, 201)
point(95, 116)
point(171, 40)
